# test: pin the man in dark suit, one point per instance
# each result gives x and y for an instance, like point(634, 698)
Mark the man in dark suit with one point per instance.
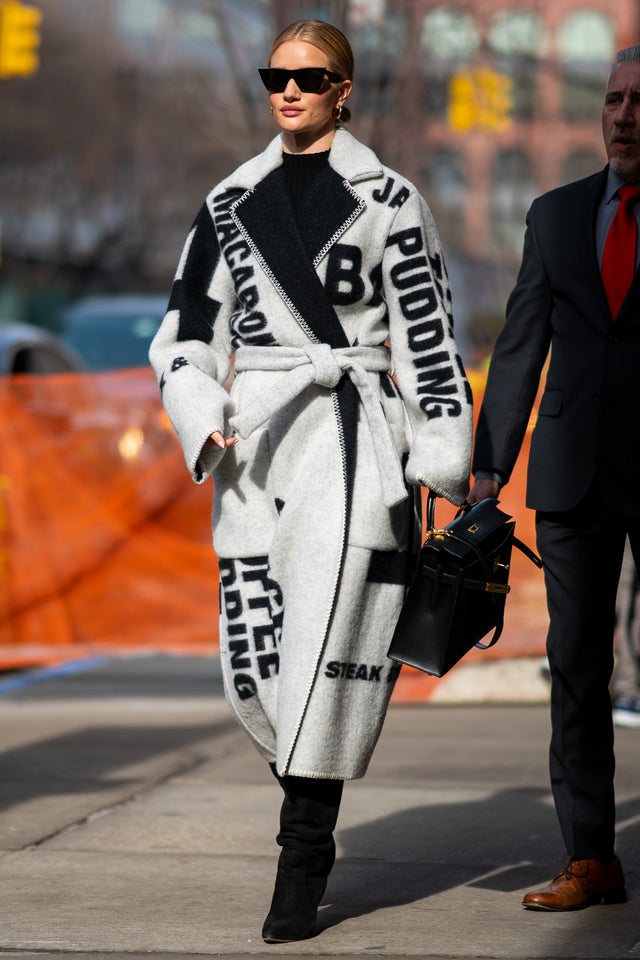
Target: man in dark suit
point(572, 300)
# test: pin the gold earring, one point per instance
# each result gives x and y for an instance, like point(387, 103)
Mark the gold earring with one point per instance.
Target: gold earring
point(338, 112)
point(271, 110)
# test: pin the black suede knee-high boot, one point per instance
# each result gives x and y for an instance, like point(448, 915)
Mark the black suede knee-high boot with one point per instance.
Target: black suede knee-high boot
point(307, 820)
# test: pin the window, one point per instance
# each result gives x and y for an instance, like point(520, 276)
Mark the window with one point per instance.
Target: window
point(585, 37)
point(516, 33)
point(379, 48)
point(449, 39)
point(519, 41)
point(448, 34)
point(580, 163)
point(513, 192)
point(141, 19)
point(444, 190)
point(586, 45)
point(380, 41)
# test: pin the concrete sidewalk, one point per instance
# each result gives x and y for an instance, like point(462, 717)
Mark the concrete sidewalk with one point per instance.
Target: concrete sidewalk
point(136, 820)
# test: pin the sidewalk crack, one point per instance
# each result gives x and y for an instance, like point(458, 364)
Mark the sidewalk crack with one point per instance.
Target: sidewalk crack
point(181, 769)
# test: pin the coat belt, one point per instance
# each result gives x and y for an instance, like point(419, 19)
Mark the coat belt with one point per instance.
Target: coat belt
point(320, 364)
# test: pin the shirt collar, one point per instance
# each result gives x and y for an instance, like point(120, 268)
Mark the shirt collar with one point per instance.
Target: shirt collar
point(614, 182)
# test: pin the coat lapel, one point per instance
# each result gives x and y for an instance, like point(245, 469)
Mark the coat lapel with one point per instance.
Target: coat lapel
point(327, 211)
point(629, 315)
point(594, 187)
point(288, 252)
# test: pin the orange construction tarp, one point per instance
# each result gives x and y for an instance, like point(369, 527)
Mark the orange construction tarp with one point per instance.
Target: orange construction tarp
point(105, 542)
point(526, 618)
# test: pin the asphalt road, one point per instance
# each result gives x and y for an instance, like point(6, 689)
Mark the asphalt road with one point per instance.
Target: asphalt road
point(136, 820)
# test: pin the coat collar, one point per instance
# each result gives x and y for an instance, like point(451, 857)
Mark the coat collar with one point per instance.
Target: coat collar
point(352, 160)
point(289, 250)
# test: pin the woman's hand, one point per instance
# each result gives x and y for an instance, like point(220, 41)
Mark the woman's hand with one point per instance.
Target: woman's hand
point(220, 441)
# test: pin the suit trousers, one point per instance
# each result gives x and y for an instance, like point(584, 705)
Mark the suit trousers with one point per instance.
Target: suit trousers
point(582, 552)
point(626, 673)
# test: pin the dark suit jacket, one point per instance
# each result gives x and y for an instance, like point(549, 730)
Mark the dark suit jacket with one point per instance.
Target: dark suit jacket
point(588, 426)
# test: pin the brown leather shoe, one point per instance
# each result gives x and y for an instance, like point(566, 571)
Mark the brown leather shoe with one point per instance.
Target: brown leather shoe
point(581, 883)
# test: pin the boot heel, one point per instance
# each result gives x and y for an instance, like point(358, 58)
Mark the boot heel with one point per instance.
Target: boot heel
point(293, 908)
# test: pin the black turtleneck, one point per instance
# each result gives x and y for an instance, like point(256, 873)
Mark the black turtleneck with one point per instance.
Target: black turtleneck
point(299, 171)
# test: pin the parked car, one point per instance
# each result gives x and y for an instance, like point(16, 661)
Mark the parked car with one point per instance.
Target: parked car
point(28, 349)
point(112, 331)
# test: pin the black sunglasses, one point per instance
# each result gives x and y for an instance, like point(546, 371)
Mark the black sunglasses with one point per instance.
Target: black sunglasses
point(307, 79)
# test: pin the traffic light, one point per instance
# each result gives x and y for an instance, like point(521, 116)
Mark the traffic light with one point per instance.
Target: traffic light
point(19, 38)
point(480, 98)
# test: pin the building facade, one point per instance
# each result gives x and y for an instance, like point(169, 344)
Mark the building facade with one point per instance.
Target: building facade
point(484, 104)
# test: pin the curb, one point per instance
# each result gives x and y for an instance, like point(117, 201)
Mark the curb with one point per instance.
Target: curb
point(509, 680)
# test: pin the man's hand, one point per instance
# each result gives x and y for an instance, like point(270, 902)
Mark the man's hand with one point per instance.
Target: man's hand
point(482, 489)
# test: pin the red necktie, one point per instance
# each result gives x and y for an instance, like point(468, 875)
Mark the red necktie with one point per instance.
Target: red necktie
point(619, 257)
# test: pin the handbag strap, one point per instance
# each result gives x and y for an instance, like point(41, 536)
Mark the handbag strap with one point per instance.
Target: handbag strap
point(528, 552)
point(431, 524)
point(431, 510)
point(456, 582)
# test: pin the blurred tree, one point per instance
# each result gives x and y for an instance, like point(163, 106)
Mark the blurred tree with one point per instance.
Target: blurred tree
point(109, 149)
point(137, 109)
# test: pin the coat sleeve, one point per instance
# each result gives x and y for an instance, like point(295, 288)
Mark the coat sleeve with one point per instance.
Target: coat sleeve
point(517, 362)
point(428, 369)
point(191, 351)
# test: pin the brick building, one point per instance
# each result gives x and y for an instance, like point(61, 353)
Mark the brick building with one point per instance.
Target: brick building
point(484, 104)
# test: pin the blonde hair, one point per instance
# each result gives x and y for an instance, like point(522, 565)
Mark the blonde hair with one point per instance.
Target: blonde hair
point(327, 38)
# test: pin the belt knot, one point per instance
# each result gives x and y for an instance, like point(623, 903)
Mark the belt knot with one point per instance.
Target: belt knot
point(327, 371)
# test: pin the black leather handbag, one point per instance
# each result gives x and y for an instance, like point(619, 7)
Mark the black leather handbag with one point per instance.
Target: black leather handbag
point(459, 588)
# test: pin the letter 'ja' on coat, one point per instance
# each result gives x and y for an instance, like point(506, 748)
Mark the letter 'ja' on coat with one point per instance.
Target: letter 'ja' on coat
point(313, 519)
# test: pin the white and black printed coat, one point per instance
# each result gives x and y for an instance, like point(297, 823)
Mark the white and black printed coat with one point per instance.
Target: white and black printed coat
point(314, 514)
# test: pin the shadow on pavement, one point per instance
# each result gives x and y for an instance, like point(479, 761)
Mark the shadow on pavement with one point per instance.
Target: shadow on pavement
point(506, 843)
point(78, 762)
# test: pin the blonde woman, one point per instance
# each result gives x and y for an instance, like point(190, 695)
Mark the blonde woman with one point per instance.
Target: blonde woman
point(322, 271)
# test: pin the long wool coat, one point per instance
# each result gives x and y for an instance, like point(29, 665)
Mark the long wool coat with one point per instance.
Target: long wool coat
point(313, 518)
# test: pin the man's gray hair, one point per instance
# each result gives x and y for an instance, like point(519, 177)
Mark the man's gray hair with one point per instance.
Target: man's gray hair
point(628, 55)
